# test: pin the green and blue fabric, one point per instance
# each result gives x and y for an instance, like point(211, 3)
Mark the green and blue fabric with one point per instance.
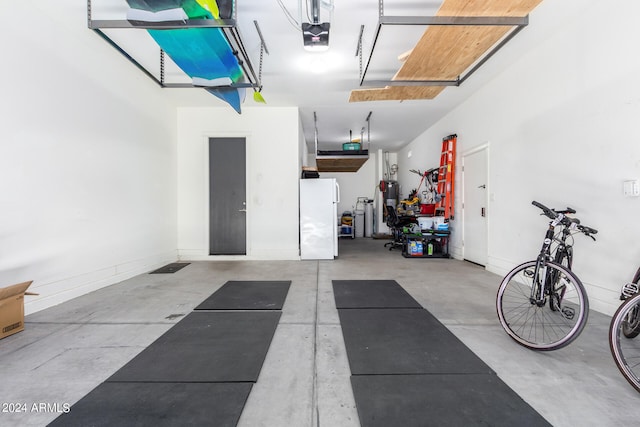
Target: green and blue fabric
point(199, 52)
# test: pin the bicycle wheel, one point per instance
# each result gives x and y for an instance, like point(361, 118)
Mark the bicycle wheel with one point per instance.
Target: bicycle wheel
point(551, 323)
point(626, 351)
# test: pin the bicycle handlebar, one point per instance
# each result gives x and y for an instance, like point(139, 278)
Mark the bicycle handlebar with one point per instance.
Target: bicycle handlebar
point(587, 230)
point(545, 210)
point(553, 214)
point(567, 211)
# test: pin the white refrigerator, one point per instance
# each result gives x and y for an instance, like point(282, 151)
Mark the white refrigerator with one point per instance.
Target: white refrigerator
point(319, 199)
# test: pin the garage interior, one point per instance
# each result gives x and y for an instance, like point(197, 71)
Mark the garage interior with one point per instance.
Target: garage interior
point(106, 178)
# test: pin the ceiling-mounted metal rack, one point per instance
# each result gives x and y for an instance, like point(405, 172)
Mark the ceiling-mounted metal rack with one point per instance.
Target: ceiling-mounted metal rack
point(518, 23)
point(229, 29)
point(342, 160)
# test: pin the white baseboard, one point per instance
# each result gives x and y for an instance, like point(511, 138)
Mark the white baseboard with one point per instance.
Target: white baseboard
point(59, 291)
point(200, 255)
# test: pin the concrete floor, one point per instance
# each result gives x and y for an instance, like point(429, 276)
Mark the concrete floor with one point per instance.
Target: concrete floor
point(69, 349)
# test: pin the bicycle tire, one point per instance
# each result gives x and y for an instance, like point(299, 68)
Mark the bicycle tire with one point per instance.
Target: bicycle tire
point(539, 327)
point(625, 351)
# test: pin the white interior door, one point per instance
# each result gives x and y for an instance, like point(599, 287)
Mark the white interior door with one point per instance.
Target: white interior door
point(475, 205)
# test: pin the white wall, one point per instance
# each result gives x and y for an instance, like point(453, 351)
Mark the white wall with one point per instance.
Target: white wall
point(363, 183)
point(303, 154)
point(561, 123)
point(87, 158)
point(273, 171)
point(355, 184)
point(421, 155)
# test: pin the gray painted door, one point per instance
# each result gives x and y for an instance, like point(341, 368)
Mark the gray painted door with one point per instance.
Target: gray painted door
point(227, 196)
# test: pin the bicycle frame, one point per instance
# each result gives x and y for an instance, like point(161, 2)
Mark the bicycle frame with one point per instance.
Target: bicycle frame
point(524, 291)
point(543, 288)
point(631, 327)
point(564, 249)
point(631, 288)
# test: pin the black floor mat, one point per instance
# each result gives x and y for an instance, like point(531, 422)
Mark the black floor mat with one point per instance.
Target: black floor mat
point(206, 347)
point(248, 295)
point(440, 400)
point(404, 341)
point(170, 268)
point(408, 369)
point(158, 404)
point(372, 294)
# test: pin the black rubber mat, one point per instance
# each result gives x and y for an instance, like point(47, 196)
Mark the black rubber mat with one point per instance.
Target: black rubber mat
point(372, 294)
point(170, 268)
point(440, 400)
point(158, 404)
point(206, 347)
point(404, 341)
point(248, 295)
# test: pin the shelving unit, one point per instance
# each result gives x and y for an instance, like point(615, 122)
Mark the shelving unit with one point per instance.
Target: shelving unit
point(457, 41)
point(346, 228)
point(216, 61)
point(342, 233)
point(441, 249)
point(342, 160)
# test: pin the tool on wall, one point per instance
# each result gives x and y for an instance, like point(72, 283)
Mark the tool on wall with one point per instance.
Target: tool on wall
point(430, 193)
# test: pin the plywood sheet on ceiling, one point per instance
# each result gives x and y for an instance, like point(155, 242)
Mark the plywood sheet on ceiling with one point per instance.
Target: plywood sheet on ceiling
point(392, 93)
point(445, 52)
point(340, 164)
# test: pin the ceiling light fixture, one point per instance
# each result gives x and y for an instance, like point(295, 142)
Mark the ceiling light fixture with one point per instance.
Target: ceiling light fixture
point(315, 35)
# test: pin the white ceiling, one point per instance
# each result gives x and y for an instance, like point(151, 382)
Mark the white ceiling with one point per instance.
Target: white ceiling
point(291, 77)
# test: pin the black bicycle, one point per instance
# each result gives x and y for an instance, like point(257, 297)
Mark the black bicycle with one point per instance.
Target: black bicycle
point(541, 303)
point(624, 328)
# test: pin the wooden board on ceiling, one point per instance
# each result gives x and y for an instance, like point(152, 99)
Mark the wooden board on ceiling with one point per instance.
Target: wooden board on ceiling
point(445, 52)
point(340, 164)
point(393, 93)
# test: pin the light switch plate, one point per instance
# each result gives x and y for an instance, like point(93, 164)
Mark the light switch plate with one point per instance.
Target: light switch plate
point(631, 188)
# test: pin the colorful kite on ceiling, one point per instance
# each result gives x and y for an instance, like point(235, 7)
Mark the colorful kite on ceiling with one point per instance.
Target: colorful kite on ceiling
point(204, 54)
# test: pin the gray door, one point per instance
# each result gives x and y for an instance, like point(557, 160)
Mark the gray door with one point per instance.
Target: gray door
point(227, 196)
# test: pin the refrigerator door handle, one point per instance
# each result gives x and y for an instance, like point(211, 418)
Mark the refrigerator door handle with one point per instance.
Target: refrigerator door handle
point(337, 192)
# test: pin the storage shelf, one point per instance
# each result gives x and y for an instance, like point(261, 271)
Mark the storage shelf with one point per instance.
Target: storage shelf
point(346, 162)
point(460, 39)
point(440, 236)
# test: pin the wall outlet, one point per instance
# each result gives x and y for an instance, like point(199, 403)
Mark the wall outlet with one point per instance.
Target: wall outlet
point(631, 188)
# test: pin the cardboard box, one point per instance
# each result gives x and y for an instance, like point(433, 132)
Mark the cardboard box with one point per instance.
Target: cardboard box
point(12, 308)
